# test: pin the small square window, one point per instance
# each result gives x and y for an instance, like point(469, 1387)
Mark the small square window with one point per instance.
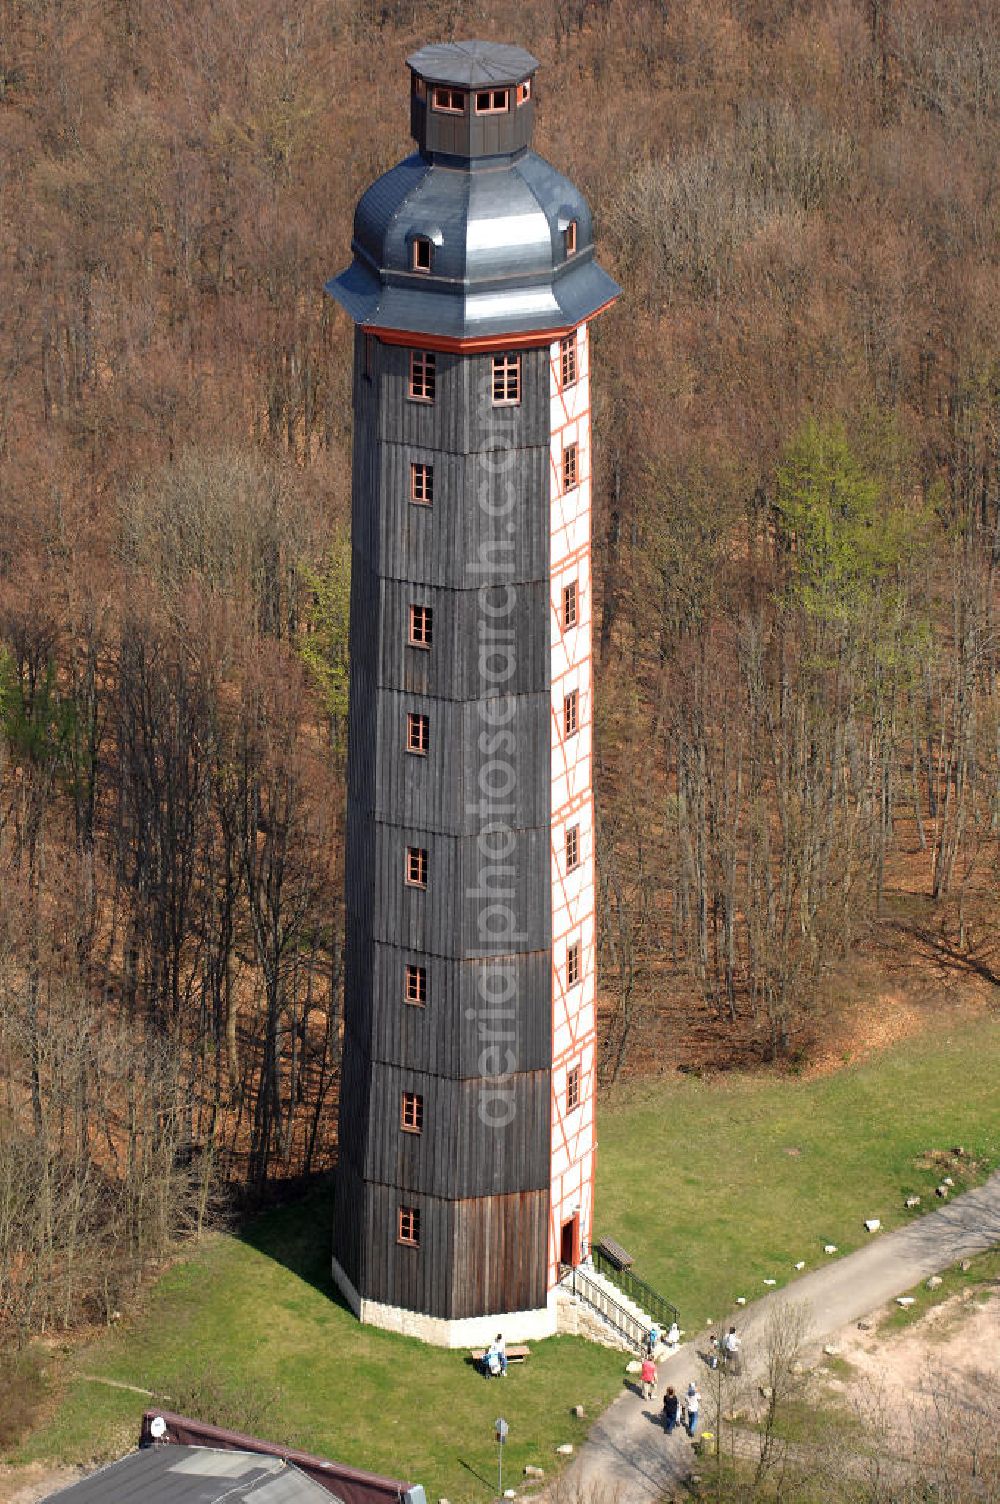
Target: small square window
point(506, 380)
point(524, 91)
point(421, 254)
point(423, 375)
point(573, 1079)
point(409, 1226)
point(492, 102)
point(571, 713)
point(573, 964)
point(411, 1118)
point(570, 467)
point(567, 361)
point(418, 733)
point(416, 867)
point(569, 238)
point(448, 101)
point(572, 847)
point(415, 986)
point(422, 484)
point(571, 604)
point(421, 626)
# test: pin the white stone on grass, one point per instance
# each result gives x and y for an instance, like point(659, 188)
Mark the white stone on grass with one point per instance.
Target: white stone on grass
point(911, 1202)
point(935, 1282)
point(770, 1282)
point(872, 1224)
point(566, 1450)
point(800, 1265)
point(741, 1300)
point(905, 1301)
point(829, 1248)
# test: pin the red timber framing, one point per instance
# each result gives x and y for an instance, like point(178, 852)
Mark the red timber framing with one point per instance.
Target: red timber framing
point(572, 811)
point(468, 346)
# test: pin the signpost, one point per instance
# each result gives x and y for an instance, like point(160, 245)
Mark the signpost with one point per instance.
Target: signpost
point(501, 1428)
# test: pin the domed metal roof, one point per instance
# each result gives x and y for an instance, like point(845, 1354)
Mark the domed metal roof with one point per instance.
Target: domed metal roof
point(503, 257)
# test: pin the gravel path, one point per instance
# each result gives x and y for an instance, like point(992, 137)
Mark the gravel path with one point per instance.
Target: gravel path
point(627, 1455)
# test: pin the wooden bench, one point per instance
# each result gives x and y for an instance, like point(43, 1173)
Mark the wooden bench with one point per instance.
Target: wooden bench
point(515, 1354)
point(615, 1253)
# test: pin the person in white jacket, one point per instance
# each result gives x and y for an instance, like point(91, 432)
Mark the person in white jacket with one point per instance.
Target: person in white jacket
point(692, 1400)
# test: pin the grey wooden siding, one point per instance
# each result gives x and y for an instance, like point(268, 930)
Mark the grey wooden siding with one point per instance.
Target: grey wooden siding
point(442, 789)
point(475, 1256)
point(449, 1034)
point(444, 918)
point(458, 1154)
point(482, 1191)
point(462, 418)
point(471, 134)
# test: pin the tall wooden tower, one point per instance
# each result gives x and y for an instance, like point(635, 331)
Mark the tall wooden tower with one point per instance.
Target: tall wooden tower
point(467, 1107)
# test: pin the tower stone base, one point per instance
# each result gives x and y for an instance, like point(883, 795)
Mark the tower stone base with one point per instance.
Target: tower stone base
point(469, 1331)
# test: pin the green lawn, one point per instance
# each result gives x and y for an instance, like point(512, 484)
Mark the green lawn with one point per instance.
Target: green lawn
point(258, 1317)
point(695, 1178)
point(699, 1181)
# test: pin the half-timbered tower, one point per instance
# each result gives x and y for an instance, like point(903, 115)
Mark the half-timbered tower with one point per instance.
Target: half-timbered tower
point(467, 1107)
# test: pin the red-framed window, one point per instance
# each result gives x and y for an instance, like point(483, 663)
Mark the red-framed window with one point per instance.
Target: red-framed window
point(492, 101)
point(421, 626)
point(571, 713)
point(573, 964)
point(420, 254)
point(506, 380)
point(574, 1079)
point(571, 604)
point(421, 483)
point(448, 101)
point(524, 92)
point(569, 238)
point(423, 375)
point(418, 733)
point(415, 986)
point(416, 867)
point(408, 1226)
point(567, 362)
point(570, 467)
point(572, 847)
point(411, 1114)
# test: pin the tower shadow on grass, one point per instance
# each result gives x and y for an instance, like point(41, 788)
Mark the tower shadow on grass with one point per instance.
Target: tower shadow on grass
point(298, 1237)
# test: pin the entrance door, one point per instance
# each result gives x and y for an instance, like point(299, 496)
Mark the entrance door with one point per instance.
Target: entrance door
point(569, 1251)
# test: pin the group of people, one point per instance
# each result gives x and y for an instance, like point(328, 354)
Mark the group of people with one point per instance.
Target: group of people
point(685, 1411)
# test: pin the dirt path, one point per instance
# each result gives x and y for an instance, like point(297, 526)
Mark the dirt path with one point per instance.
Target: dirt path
point(627, 1454)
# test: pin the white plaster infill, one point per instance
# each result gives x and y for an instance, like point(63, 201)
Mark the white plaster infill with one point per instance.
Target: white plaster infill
point(440, 1331)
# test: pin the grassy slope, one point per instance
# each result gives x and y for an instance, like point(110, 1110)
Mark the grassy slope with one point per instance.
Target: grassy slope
point(257, 1315)
point(697, 1182)
point(694, 1179)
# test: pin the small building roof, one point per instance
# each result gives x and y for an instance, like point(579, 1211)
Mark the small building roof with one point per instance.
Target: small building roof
point(195, 1475)
point(472, 65)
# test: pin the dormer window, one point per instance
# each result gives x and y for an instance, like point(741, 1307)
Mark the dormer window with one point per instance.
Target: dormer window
point(569, 238)
point(421, 254)
point(492, 102)
point(524, 92)
point(448, 101)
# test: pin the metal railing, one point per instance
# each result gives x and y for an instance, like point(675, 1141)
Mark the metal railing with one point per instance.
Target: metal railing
point(629, 1327)
point(661, 1310)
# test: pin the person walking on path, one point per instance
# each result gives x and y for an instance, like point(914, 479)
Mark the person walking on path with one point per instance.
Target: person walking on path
point(671, 1404)
point(648, 1378)
point(732, 1351)
point(693, 1401)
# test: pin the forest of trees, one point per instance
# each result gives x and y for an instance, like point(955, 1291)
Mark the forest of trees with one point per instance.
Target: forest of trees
point(797, 533)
